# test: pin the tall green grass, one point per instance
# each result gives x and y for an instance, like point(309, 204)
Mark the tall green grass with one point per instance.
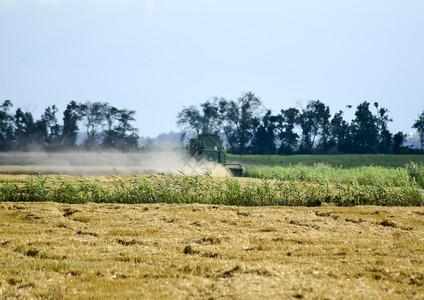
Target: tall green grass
point(339, 160)
point(416, 173)
point(390, 177)
point(206, 190)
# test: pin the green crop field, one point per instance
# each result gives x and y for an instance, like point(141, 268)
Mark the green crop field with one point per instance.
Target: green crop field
point(312, 182)
point(205, 190)
point(410, 175)
point(290, 184)
point(383, 172)
point(342, 160)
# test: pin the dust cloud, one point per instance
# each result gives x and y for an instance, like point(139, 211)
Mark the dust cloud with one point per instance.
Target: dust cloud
point(107, 163)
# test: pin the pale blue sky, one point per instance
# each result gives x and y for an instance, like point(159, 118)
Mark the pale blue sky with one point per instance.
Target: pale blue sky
point(155, 56)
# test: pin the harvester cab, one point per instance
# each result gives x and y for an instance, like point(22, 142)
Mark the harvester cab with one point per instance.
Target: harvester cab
point(209, 147)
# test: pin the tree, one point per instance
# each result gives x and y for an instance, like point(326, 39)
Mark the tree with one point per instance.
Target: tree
point(190, 119)
point(94, 115)
point(240, 121)
point(249, 106)
point(231, 112)
point(124, 135)
point(322, 123)
point(264, 136)
point(52, 129)
point(365, 130)
point(212, 119)
point(6, 125)
point(71, 116)
point(398, 141)
point(286, 122)
point(26, 132)
point(314, 122)
point(105, 125)
point(110, 135)
point(340, 139)
point(305, 120)
point(385, 137)
point(120, 134)
point(207, 119)
point(419, 126)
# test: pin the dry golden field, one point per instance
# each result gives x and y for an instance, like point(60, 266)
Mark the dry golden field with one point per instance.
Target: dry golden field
point(158, 251)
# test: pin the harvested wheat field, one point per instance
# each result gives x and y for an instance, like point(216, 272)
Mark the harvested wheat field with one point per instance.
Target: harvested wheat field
point(52, 250)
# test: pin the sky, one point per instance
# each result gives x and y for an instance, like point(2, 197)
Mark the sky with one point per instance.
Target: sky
point(157, 56)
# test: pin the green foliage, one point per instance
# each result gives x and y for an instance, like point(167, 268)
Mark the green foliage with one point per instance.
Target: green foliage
point(249, 128)
point(419, 126)
point(208, 190)
point(107, 127)
point(35, 189)
point(395, 177)
point(6, 125)
point(365, 130)
point(263, 141)
point(314, 121)
point(340, 160)
point(9, 191)
point(416, 173)
point(70, 130)
point(207, 119)
point(286, 123)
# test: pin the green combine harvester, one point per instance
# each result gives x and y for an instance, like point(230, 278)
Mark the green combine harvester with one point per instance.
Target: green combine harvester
point(208, 147)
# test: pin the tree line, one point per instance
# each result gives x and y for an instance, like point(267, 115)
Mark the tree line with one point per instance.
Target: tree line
point(102, 125)
point(248, 128)
point(244, 125)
